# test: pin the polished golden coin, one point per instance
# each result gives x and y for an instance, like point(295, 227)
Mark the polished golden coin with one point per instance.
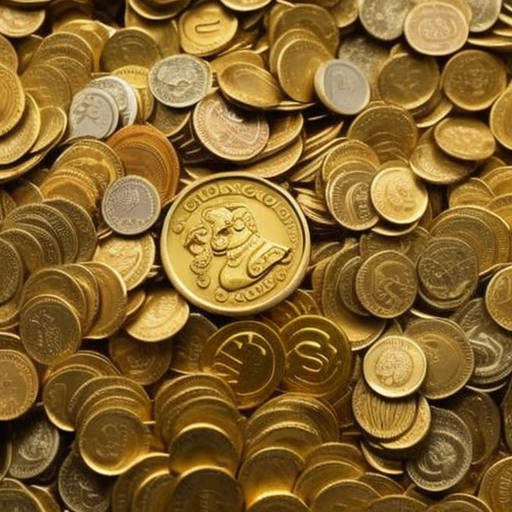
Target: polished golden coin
point(449, 354)
point(250, 85)
point(206, 28)
point(235, 244)
point(342, 87)
point(8, 55)
point(180, 80)
point(250, 356)
point(406, 503)
point(498, 297)
point(73, 475)
point(395, 366)
point(111, 440)
point(11, 271)
point(50, 329)
point(446, 455)
point(384, 22)
point(465, 138)
point(278, 501)
point(473, 79)
point(227, 131)
point(350, 494)
point(48, 85)
point(398, 195)
point(493, 489)
point(163, 313)
point(386, 284)
point(381, 417)
point(131, 205)
point(17, 23)
point(12, 103)
point(426, 36)
point(20, 384)
point(28, 247)
point(53, 128)
point(315, 337)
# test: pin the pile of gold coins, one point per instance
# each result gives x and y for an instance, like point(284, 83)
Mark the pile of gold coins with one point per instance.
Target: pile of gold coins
point(255, 256)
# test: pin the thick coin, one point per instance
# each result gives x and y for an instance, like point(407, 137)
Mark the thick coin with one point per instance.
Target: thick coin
point(315, 338)
point(395, 366)
point(342, 87)
point(131, 205)
point(235, 244)
point(180, 80)
point(250, 356)
point(498, 297)
point(446, 455)
point(19, 384)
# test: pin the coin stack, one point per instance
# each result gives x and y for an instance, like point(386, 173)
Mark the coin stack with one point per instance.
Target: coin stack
point(255, 255)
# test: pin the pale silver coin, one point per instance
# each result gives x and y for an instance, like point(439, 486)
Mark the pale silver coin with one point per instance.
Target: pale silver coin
point(92, 113)
point(122, 93)
point(131, 205)
point(180, 80)
point(342, 87)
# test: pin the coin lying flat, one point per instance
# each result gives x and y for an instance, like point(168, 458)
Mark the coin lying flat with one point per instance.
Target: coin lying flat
point(234, 244)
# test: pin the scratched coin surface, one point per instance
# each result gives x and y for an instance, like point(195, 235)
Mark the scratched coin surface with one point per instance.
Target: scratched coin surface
point(235, 244)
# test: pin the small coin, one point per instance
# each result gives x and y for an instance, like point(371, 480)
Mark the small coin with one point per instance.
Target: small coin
point(446, 455)
point(498, 297)
point(131, 205)
point(20, 384)
point(234, 244)
point(180, 80)
point(250, 356)
point(342, 87)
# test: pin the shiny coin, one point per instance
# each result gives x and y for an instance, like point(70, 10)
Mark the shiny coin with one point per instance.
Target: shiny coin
point(180, 80)
point(131, 205)
point(11, 271)
point(342, 87)
point(234, 244)
point(395, 366)
point(498, 297)
point(19, 384)
point(12, 102)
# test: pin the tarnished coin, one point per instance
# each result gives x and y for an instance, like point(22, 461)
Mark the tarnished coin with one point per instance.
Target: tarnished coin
point(342, 87)
point(235, 244)
point(498, 297)
point(227, 131)
point(19, 384)
point(250, 356)
point(384, 22)
point(180, 80)
point(15, 496)
point(395, 366)
point(386, 284)
point(131, 205)
point(446, 455)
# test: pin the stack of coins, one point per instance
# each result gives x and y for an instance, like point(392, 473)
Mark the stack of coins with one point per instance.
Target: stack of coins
point(255, 256)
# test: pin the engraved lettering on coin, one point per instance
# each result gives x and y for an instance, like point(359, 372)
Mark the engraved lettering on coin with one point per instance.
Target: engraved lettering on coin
point(394, 367)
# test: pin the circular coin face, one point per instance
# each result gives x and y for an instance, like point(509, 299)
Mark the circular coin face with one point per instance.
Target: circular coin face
point(235, 244)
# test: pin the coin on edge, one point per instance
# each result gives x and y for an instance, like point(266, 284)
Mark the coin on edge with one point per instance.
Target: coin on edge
point(235, 244)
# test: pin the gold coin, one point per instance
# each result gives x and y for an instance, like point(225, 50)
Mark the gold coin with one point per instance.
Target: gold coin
point(11, 271)
point(473, 79)
point(278, 501)
point(74, 474)
point(53, 127)
point(386, 466)
point(194, 82)
point(270, 470)
point(20, 384)
point(216, 122)
point(47, 85)
point(498, 297)
point(238, 346)
point(425, 36)
point(398, 195)
point(131, 205)
point(449, 354)
point(473, 191)
point(383, 22)
point(382, 417)
point(163, 313)
point(49, 329)
point(18, 497)
point(28, 247)
point(447, 448)
point(207, 28)
point(351, 494)
point(18, 23)
point(315, 338)
point(35, 447)
point(386, 284)
point(465, 138)
point(8, 55)
point(227, 214)
point(12, 105)
point(383, 484)
point(397, 503)
point(170, 121)
point(395, 366)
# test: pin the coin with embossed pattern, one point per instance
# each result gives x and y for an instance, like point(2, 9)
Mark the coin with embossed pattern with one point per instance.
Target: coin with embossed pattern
point(12, 99)
point(498, 297)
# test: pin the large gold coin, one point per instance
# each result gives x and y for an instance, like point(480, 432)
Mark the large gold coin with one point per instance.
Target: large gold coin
point(12, 99)
point(235, 244)
point(498, 297)
point(494, 489)
point(395, 366)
